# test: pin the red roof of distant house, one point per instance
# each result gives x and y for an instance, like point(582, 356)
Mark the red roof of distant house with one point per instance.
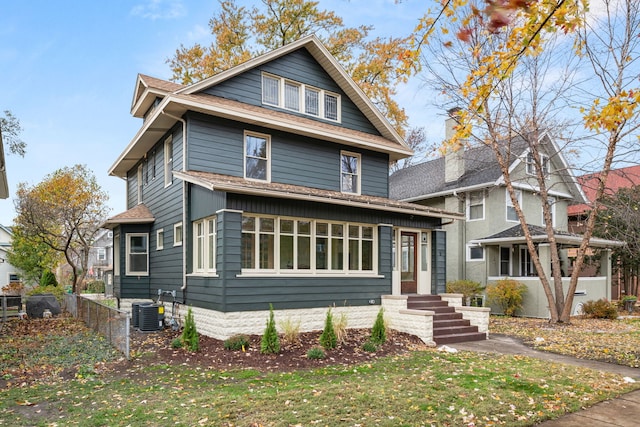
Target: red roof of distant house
point(617, 178)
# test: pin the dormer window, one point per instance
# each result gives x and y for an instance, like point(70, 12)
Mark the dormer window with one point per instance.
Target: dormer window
point(295, 96)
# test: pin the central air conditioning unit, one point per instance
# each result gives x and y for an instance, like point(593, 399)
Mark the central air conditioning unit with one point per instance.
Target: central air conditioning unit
point(151, 317)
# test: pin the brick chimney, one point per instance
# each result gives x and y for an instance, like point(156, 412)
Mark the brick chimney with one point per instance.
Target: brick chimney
point(453, 159)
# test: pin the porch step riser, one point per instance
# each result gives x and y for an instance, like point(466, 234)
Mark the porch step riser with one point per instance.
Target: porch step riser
point(437, 309)
point(456, 330)
point(438, 324)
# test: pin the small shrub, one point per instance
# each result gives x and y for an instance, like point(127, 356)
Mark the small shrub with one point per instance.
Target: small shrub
point(48, 279)
point(57, 291)
point(328, 339)
point(379, 330)
point(270, 341)
point(190, 339)
point(508, 294)
point(600, 309)
point(176, 343)
point(290, 330)
point(316, 353)
point(370, 346)
point(468, 288)
point(340, 327)
point(237, 342)
point(95, 287)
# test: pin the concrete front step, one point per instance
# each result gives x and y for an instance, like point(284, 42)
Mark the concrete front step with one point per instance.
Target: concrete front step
point(448, 325)
point(453, 338)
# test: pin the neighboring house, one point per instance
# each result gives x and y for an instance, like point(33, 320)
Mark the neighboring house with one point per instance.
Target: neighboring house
point(100, 262)
point(490, 244)
point(268, 184)
point(578, 213)
point(8, 273)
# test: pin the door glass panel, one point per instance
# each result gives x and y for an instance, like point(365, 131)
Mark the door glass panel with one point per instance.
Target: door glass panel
point(408, 243)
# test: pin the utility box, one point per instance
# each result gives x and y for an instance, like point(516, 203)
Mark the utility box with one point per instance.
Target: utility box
point(151, 317)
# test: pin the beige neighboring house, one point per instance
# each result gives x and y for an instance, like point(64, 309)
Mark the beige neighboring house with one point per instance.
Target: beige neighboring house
point(8, 273)
point(490, 244)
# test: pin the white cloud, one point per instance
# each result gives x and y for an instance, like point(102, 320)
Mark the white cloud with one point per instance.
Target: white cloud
point(159, 9)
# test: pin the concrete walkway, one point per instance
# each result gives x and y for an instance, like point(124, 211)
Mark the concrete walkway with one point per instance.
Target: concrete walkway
point(623, 411)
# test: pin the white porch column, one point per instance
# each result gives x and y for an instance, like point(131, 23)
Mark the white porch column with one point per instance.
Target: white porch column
point(605, 270)
point(544, 253)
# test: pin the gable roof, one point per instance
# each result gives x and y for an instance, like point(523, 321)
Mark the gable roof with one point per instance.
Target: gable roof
point(139, 214)
point(176, 100)
point(616, 179)
point(481, 170)
point(232, 184)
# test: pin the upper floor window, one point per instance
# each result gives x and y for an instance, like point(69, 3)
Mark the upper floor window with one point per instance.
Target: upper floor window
point(511, 210)
point(101, 254)
point(204, 245)
point(531, 165)
point(349, 173)
point(168, 161)
point(475, 206)
point(295, 96)
point(137, 252)
point(552, 211)
point(256, 156)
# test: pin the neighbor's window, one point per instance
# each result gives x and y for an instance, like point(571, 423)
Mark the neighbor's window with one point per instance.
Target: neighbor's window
point(116, 255)
point(168, 161)
point(281, 245)
point(137, 252)
point(177, 234)
point(160, 239)
point(349, 173)
point(102, 254)
point(475, 253)
point(204, 245)
point(531, 165)
point(256, 156)
point(511, 210)
point(299, 97)
point(475, 206)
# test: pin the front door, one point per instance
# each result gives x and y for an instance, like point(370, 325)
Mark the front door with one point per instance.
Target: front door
point(409, 255)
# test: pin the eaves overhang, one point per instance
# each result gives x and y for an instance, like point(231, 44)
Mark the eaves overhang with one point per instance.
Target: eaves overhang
point(164, 116)
point(236, 185)
point(560, 239)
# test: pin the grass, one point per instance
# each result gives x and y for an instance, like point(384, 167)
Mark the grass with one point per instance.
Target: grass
point(613, 341)
point(428, 387)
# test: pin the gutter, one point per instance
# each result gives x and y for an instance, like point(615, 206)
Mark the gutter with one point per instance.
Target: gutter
point(184, 204)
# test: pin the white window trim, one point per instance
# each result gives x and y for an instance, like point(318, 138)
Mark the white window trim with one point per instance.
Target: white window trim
point(358, 172)
point(128, 271)
point(468, 251)
point(509, 204)
point(302, 98)
point(177, 226)
point(168, 161)
point(160, 239)
point(268, 139)
point(101, 254)
point(530, 166)
point(468, 203)
point(206, 270)
point(313, 271)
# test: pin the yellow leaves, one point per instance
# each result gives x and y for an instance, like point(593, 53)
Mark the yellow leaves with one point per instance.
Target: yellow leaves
point(613, 114)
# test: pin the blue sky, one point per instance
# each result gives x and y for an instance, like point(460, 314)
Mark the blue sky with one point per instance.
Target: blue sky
point(68, 69)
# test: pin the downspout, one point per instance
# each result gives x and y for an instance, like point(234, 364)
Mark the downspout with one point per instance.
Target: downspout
point(184, 205)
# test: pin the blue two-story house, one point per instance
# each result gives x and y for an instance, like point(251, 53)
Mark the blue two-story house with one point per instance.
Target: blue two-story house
point(268, 184)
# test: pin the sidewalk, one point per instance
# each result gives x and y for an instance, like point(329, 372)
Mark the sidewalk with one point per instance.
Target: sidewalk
point(623, 411)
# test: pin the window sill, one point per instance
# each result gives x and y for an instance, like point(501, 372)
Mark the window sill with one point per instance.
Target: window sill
point(215, 275)
point(310, 274)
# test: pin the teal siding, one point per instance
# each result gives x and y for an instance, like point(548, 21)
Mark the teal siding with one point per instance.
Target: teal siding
point(301, 67)
point(438, 261)
point(216, 145)
point(204, 203)
point(132, 286)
